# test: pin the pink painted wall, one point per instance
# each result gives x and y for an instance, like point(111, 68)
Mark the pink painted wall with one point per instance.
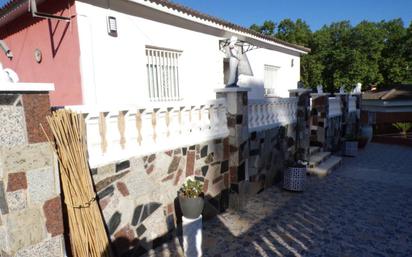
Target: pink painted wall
point(59, 44)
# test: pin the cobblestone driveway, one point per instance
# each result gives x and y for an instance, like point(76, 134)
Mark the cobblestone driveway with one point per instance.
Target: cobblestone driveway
point(362, 209)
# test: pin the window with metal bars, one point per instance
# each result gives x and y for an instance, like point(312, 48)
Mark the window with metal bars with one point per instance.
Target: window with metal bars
point(163, 74)
point(270, 79)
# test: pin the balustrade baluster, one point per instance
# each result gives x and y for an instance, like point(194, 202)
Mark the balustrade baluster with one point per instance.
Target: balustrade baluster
point(103, 132)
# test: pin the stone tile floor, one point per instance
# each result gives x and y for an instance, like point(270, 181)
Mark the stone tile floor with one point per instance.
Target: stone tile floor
point(364, 208)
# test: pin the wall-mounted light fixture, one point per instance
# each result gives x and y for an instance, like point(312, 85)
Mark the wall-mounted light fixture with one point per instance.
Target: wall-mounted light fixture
point(292, 63)
point(112, 26)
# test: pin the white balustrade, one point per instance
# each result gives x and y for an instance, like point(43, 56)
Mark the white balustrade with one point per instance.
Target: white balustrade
point(118, 133)
point(271, 112)
point(335, 108)
point(352, 104)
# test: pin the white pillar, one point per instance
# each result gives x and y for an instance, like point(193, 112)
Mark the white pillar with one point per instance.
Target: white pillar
point(192, 236)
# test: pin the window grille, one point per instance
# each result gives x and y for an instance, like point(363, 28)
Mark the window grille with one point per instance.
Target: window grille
point(163, 74)
point(270, 79)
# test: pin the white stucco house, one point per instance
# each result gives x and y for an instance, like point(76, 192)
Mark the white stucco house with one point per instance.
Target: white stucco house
point(161, 51)
point(137, 51)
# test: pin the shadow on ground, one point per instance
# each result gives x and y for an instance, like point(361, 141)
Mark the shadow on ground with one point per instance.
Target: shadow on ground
point(356, 211)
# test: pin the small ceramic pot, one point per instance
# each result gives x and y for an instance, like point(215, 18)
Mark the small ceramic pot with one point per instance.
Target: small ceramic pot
point(191, 207)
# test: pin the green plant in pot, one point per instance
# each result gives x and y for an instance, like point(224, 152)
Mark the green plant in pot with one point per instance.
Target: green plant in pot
point(191, 198)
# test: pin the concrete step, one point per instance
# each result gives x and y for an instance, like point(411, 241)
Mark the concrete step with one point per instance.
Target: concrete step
point(326, 167)
point(314, 149)
point(317, 158)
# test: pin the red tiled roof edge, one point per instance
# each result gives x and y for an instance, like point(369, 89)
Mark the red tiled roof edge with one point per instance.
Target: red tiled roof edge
point(9, 7)
point(190, 11)
point(171, 5)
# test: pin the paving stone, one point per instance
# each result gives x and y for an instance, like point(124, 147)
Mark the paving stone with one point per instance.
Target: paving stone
point(174, 164)
point(54, 217)
point(49, 248)
point(16, 181)
point(140, 230)
point(27, 157)
point(122, 165)
point(204, 170)
point(361, 209)
point(190, 163)
point(42, 185)
point(106, 192)
point(209, 158)
point(3, 239)
point(4, 208)
point(122, 188)
point(13, 127)
point(224, 166)
point(152, 157)
point(108, 180)
point(17, 200)
point(114, 222)
point(203, 151)
point(25, 228)
point(178, 177)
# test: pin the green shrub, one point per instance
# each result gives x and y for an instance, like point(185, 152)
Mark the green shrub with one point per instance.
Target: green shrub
point(403, 127)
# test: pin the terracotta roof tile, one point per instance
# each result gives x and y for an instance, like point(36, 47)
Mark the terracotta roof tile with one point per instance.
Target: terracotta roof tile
point(190, 11)
point(9, 5)
point(394, 92)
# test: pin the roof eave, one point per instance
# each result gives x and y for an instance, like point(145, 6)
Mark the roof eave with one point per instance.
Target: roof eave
point(190, 14)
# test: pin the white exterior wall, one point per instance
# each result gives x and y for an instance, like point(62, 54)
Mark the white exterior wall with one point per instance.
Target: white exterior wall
point(287, 78)
point(114, 68)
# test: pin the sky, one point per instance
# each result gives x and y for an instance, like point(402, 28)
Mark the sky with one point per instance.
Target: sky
point(315, 12)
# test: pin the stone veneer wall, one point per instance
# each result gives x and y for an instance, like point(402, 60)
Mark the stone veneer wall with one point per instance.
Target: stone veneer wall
point(334, 133)
point(269, 149)
point(353, 124)
point(138, 196)
point(329, 132)
point(31, 222)
point(319, 119)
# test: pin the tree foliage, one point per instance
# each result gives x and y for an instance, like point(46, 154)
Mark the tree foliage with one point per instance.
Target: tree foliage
point(373, 53)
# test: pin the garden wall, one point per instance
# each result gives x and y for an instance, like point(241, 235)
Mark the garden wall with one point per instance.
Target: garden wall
point(269, 149)
point(334, 118)
point(31, 222)
point(138, 196)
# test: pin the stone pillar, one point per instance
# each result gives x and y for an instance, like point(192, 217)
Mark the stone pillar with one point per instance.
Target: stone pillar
point(344, 98)
point(31, 222)
point(302, 122)
point(358, 112)
point(319, 119)
point(237, 121)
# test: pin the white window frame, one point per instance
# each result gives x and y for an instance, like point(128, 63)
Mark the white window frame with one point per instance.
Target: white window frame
point(270, 90)
point(162, 67)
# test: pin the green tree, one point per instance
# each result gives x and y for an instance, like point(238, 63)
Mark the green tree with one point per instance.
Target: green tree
point(394, 63)
point(268, 28)
point(294, 32)
point(373, 53)
point(408, 53)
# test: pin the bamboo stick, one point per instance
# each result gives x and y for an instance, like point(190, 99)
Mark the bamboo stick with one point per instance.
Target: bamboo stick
point(88, 237)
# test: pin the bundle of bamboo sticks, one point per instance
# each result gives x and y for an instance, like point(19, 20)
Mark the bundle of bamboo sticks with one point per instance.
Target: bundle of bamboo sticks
point(88, 237)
